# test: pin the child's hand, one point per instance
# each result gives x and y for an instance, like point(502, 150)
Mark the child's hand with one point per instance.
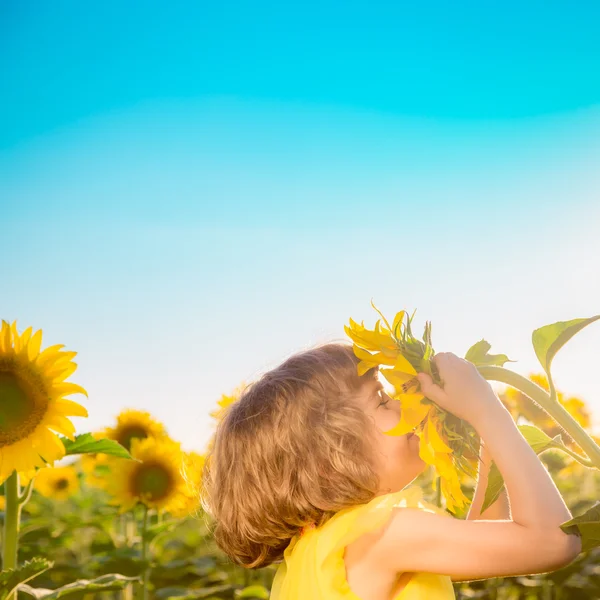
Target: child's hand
point(464, 392)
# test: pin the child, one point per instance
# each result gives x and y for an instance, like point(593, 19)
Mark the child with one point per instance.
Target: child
point(300, 472)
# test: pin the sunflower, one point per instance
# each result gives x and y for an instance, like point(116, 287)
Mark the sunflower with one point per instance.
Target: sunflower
point(398, 351)
point(134, 424)
point(58, 483)
point(33, 404)
point(154, 478)
point(193, 464)
point(226, 401)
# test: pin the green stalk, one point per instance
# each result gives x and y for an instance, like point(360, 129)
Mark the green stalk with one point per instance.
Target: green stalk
point(553, 408)
point(143, 589)
point(438, 491)
point(12, 516)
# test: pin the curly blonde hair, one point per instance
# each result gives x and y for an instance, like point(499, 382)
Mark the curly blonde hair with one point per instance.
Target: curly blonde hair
point(294, 449)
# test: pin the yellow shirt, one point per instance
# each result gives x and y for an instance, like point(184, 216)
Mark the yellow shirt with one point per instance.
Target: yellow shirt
point(313, 566)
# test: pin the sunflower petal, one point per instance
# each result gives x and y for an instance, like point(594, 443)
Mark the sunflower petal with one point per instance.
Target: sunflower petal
point(60, 424)
point(396, 378)
point(404, 366)
point(48, 354)
point(66, 389)
point(68, 408)
point(35, 343)
point(435, 439)
point(48, 445)
point(5, 337)
point(63, 372)
point(398, 320)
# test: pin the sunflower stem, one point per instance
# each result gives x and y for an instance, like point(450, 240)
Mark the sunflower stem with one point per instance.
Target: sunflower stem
point(143, 589)
point(438, 491)
point(12, 518)
point(553, 408)
point(26, 495)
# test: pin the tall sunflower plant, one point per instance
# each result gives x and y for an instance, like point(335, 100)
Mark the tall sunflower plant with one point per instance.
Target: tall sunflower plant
point(35, 432)
point(450, 444)
point(161, 480)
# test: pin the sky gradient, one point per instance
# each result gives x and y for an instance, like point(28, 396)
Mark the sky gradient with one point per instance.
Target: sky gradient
point(189, 196)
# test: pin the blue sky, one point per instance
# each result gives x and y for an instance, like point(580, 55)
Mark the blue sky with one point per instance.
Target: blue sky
point(191, 193)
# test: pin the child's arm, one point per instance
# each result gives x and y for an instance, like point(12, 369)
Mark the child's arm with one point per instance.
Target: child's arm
point(498, 510)
point(421, 541)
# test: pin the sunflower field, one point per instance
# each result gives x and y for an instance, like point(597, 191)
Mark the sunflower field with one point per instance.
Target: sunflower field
point(119, 517)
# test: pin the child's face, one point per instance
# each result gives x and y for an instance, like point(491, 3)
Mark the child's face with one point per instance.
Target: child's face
point(398, 456)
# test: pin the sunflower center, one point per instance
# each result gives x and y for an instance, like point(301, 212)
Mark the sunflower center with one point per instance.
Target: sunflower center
point(152, 481)
point(129, 433)
point(61, 484)
point(23, 403)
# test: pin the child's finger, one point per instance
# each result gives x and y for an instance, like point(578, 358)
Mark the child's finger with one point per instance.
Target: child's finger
point(429, 387)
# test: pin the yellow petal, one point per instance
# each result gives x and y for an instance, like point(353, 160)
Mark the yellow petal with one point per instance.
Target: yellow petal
point(404, 366)
point(49, 354)
point(68, 408)
point(396, 378)
point(410, 400)
point(364, 366)
point(58, 375)
point(66, 389)
point(409, 419)
point(34, 345)
point(5, 337)
point(61, 425)
point(425, 452)
point(48, 445)
point(435, 440)
point(398, 319)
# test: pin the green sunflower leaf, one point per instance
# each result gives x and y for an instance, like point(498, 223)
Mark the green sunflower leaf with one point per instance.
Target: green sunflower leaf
point(478, 355)
point(587, 526)
point(12, 578)
point(548, 340)
point(77, 589)
point(182, 593)
point(86, 443)
point(538, 441)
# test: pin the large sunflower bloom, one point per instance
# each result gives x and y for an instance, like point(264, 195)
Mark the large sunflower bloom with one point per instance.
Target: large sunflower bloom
point(134, 424)
point(386, 346)
point(58, 483)
point(33, 404)
point(154, 478)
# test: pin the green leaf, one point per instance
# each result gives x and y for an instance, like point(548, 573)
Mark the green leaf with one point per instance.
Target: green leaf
point(154, 530)
point(11, 578)
point(548, 340)
point(587, 526)
point(478, 355)
point(106, 583)
point(253, 592)
point(86, 443)
point(538, 441)
point(182, 593)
